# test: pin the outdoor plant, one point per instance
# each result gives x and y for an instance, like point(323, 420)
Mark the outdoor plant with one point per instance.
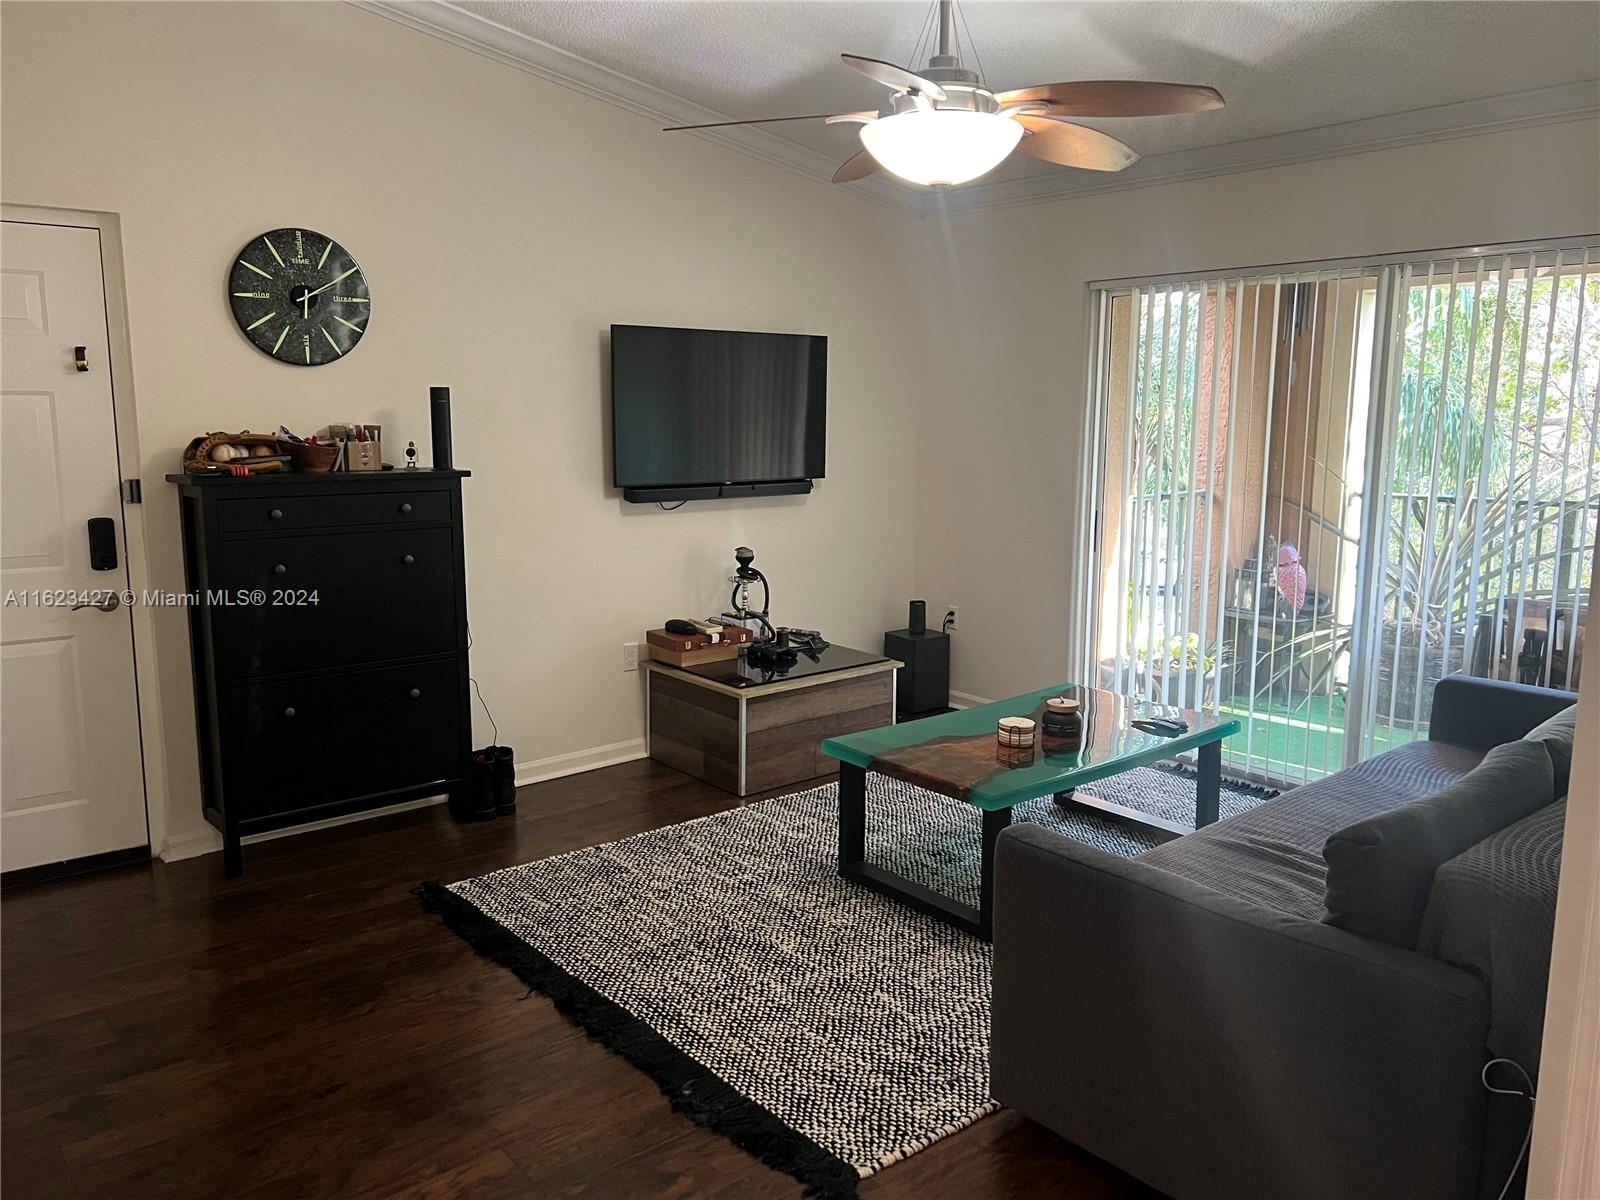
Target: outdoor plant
point(1182, 654)
point(1178, 670)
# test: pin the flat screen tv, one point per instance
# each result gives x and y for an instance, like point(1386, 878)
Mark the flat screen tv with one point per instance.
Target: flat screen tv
point(701, 413)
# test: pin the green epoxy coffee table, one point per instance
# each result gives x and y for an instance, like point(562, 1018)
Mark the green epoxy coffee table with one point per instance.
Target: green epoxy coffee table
point(956, 755)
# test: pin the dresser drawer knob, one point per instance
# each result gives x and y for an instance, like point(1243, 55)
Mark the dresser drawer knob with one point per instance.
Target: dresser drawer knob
point(280, 569)
point(289, 712)
point(407, 559)
point(276, 514)
point(416, 693)
point(405, 506)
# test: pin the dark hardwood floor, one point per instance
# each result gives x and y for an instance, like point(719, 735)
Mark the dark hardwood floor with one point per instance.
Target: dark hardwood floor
point(308, 1031)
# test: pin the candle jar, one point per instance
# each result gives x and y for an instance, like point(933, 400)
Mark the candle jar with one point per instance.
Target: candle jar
point(1063, 718)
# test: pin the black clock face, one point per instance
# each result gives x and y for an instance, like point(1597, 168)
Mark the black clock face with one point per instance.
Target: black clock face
point(299, 296)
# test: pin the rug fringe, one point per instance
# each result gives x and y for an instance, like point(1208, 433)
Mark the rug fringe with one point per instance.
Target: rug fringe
point(691, 1088)
point(1190, 771)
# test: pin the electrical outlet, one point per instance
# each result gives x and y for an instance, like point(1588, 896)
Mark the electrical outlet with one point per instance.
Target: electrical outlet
point(630, 656)
point(952, 618)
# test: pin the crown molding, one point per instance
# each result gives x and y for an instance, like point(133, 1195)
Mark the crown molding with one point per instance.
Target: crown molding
point(1519, 110)
point(469, 31)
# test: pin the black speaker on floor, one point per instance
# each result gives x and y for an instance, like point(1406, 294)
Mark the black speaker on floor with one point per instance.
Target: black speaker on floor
point(923, 686)
point(439, 411)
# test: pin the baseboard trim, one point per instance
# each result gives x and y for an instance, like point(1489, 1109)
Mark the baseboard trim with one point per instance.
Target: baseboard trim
point(537, 770)
point(967, 700)
point(576, 762)
point(190, 845)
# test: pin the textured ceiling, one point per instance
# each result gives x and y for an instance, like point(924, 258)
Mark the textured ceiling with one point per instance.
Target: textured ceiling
point(1283, 67)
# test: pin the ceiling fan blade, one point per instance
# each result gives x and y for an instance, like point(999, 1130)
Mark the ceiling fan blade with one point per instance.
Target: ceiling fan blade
point(859, 117)
point(757, 121)
point(898, 78)
point(858, 166)
point(1070, 145)
point(1118, 98)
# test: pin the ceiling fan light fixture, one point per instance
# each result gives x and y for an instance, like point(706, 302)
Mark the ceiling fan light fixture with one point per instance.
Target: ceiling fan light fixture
point(941, 146)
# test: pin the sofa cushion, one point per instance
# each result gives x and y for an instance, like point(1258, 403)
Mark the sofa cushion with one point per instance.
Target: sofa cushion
point(1557, 734)
point(1272, 855)
point(1492, 911)
point(1380, 870)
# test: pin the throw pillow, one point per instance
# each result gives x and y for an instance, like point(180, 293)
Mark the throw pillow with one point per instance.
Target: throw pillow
point(1557, 735)
point(1380, 870)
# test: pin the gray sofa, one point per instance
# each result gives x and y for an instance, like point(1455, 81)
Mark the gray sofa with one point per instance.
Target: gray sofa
point(1193, 1016)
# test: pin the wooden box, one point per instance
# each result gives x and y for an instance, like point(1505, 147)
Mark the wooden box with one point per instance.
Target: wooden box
point(692, 649)
point(703, 653)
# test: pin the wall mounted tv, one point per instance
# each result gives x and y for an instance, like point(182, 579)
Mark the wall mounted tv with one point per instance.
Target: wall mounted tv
point(698, 414)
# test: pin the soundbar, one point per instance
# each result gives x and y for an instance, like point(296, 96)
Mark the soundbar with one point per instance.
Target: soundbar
point(716, 491)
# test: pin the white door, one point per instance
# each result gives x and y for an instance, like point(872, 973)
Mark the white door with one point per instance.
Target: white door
point(71, 772)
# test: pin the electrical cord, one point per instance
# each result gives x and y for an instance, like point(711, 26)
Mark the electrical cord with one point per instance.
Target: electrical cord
point(478, 692)
point(674, 508)
point(1527, 1095)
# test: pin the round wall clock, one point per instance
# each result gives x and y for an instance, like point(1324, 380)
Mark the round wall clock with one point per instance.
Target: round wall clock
point(299, 297)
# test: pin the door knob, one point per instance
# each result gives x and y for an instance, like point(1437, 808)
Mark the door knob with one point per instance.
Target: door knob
point(109, 604)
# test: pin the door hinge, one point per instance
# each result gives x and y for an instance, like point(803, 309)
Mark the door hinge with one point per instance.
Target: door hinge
point(134, 490)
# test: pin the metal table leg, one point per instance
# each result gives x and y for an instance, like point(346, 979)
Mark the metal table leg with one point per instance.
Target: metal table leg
point(1208, 788)
point(852, 864)
point(994, 823)
point(852, 816)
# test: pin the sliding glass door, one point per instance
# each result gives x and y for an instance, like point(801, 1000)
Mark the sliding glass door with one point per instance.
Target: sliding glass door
point(1321, 490)
point(1485, 542)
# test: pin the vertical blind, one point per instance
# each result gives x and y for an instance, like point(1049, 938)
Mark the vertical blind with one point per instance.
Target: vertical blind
point(1320, 490)
point(1487, 514)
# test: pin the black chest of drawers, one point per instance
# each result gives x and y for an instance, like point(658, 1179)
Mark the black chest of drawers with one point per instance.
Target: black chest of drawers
point(328, 628)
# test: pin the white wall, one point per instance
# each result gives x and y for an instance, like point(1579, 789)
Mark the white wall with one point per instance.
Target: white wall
point(1000, 428)
point(503, 224)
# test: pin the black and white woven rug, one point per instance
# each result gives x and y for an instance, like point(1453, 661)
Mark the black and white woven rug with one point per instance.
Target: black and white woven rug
point(826, 1029)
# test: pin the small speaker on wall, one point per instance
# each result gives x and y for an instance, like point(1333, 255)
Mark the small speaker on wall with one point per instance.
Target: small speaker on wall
point(439, 410)
point(918, 622)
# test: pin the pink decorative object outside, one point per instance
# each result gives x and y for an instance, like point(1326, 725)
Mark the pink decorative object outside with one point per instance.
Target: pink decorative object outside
point(1290, 576)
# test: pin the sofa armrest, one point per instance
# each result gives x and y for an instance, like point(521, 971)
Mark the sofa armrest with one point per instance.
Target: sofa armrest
point(1214, 1048)
point(1483, 713)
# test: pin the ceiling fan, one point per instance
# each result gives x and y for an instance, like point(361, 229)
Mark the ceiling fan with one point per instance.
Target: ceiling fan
point(945, 126)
